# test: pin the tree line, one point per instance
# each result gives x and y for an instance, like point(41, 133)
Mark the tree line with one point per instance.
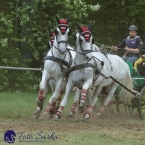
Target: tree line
point(24, 25)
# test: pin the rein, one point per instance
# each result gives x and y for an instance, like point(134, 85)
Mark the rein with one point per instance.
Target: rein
point(84, 65)
point(81, 66)
point(102, 45)
point(89, 51)
point(75, 51)
point(58, 60)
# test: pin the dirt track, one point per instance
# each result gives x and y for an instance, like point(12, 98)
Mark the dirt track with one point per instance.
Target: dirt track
point(130, 128)
point(121, 127)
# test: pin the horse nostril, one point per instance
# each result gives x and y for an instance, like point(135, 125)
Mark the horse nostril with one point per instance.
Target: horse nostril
point(87, 57)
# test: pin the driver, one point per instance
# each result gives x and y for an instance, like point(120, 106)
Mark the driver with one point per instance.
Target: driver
point(132, 45)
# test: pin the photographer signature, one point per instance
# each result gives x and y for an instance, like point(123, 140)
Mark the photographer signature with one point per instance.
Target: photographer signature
point(40, 137)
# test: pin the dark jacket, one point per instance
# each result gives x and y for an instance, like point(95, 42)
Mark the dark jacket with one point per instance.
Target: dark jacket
point(143, 49)
point(122, 44)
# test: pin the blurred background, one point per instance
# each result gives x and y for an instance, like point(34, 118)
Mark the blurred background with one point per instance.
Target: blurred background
point(24, 31)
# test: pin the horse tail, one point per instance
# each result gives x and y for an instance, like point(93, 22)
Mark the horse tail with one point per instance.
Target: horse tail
point(126, 95)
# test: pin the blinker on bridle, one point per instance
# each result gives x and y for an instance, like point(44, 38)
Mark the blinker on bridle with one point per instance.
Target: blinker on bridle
point(87, 36)
point(63, 26)
point(52, 38)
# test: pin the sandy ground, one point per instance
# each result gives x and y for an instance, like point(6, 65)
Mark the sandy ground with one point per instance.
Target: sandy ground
point(131, 127)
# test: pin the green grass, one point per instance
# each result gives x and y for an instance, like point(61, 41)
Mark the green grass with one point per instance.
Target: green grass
point(16, 105)
point(22, 105)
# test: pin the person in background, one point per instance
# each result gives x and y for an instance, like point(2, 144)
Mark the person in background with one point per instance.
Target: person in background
point(132, 45)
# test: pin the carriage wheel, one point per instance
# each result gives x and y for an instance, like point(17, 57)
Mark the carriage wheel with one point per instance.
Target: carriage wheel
point(99, 102)
point(142, 104)
point(123, 109)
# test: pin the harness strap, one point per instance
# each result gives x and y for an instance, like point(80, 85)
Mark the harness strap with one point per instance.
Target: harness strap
point(81, 66)
point(62, 41)
point(56, 47)
point(71, 59)
point(75, 51)
point(56, 59)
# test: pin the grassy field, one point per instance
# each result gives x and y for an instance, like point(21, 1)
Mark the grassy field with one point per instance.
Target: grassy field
point(21, 105)
point(16, 110)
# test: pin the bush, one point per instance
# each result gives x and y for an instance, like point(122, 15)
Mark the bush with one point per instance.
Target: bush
point(23, 33)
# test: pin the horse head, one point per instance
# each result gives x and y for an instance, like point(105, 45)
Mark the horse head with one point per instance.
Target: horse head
point(52, 37)
point(86, 40)
point(62, 32)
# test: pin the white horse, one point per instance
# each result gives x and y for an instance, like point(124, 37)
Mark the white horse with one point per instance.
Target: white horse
point(57, 60)
point(83, 74)
point(51, 82)
point(83, 78)
point(90, 92)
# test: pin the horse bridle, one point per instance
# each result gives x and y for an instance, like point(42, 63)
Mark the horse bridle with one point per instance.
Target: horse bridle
point(84, 51)
point(89, 51)
point(61, 41)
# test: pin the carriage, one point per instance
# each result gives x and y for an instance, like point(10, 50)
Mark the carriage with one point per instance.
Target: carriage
point(138, 78)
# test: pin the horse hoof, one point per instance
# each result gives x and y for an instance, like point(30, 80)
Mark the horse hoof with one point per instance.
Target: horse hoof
point(98, 115)
point(56, 118)
point(70, 116)
point(36, 114)
point(82, 103)
point(83, 119)
point(111, 113)
point(45, 116)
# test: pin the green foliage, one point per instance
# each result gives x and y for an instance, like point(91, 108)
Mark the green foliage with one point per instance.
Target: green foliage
point(23, 32)
point(24, 25)
point(114, 18)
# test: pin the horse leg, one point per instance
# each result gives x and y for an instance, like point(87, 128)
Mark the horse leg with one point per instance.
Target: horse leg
point(83, 95)
point(108, 98)
point(111, 107)
point(52, 101)
point(69, 87)
point(41, 94)
point(92, 103)
point(74, 106)
point(60, 95)
point(52, 85)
